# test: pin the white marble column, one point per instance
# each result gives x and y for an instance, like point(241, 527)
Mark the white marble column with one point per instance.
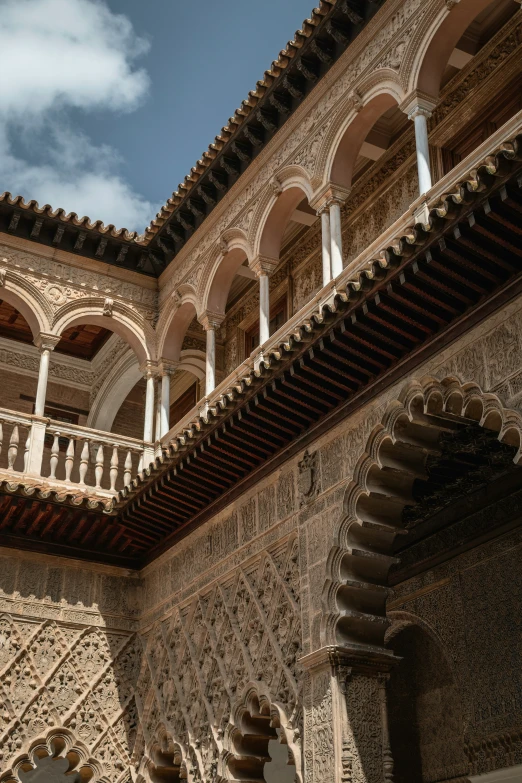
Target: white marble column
point(263, 267)
point(45, 344)
point(165, 403)
point(420, 115)
point(326, 236)
point(148, 427)
point(211, 322)
point(264, 308)
point(157, 417)
point(336, 237)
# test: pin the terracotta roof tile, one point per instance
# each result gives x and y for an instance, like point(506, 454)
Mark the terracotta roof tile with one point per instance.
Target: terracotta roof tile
point(278, 65)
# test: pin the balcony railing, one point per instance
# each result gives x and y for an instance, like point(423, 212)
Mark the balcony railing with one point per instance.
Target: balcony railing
point(67, 454)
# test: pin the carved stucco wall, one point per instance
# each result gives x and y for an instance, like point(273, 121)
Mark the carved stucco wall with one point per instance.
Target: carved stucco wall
point(239, 600)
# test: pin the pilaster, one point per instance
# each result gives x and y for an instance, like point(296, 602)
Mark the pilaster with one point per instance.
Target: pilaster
point(345, 717)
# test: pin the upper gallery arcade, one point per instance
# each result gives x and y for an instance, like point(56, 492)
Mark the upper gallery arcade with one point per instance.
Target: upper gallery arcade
point(111, 341)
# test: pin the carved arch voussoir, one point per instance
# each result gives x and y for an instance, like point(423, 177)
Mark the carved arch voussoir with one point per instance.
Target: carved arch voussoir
point(355, 590)
point(57, 743)
point(36, 302)
point(418, 45)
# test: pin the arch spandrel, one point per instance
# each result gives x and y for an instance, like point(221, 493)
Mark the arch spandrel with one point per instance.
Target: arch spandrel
point(359, 564)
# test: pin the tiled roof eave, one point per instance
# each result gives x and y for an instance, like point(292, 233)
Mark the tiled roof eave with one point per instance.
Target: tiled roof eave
point(243, 385)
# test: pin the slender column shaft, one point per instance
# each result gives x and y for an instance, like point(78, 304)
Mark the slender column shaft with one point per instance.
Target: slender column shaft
point(336, 238)
point(420, 119)
point(157, 429)
point(210, 383)
point(327, 246)
point(165, 404)
point(149, 409)
point(264, 308)
point(43, 375)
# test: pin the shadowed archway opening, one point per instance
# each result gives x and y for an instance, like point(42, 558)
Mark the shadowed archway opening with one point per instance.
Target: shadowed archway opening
point(424, 710)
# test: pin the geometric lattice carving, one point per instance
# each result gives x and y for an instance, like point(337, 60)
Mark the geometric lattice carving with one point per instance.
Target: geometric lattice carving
point(62, 689)
point(243, 630)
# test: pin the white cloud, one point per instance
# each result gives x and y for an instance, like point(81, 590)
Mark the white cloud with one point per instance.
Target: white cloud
point(68, 54)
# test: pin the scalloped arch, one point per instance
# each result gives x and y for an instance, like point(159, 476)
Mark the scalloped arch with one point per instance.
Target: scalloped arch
point(357, 568)
point(57, 743)
point(257, 706)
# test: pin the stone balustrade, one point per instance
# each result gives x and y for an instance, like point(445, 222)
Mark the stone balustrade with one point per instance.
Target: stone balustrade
point(69, 454)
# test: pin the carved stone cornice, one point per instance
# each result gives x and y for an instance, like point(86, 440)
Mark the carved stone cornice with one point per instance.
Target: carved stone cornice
point(370, 660)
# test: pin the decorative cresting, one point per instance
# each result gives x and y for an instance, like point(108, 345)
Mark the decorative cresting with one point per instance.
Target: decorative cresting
point(58, 744)
point(254, 723)
point(396, 455)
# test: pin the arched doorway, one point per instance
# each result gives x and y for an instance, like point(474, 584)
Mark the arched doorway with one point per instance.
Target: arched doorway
point(424, 713)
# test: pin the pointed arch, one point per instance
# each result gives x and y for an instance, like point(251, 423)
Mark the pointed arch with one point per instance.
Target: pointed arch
point(396, 454)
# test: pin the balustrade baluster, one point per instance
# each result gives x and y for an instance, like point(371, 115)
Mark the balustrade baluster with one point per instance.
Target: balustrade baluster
point(98, 470)
point(113, 472)
point(140, 463)
point(27, 447)
point(55, 451)
point(84, 462)
point(1, 436)
point(12, 451)
point(69, 459)
point(127, 473)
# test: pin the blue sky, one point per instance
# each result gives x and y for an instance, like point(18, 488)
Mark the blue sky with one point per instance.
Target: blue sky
point(111, 103)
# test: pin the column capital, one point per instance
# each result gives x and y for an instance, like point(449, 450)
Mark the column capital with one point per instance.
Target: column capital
point(329, 194)
point(167, 366)
point(210, 320)
point(263, 265)
point(418, 104)
point(47, 342)
point(149, 368)
point(369, 661)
